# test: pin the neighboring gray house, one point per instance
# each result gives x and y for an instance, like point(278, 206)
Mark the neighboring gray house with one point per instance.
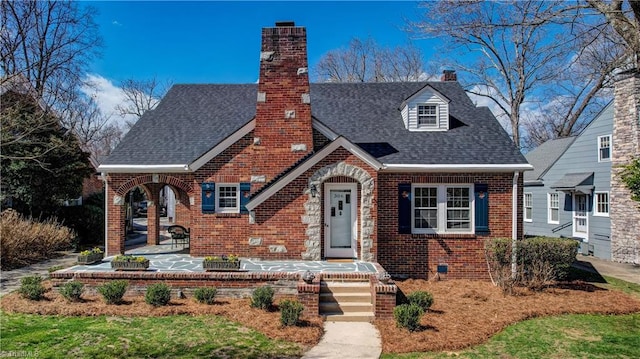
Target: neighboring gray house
point(567, 195)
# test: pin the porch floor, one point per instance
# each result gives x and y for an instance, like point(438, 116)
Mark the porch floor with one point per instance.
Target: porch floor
point(164, 258)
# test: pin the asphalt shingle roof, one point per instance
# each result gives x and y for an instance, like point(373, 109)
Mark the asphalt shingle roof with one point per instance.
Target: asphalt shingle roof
point(545, 155)
point(192, 119)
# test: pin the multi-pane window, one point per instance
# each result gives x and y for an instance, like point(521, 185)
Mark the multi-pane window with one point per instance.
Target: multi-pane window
point(602, 204)
point(427, 115)
point(227, 197)
point(441, 208)
point(458, 208)
point(528, 207)
point(554, 208)
point(604, 148)
point(426, 207)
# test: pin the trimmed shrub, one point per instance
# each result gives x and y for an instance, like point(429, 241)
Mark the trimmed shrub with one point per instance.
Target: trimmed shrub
point(113, 291)
point(290, 311)
point(158, 294)
point(408, 316)
point(205, 294)
point(26, 241)
point(262, 297)
point(72, 291)
point(541, 261)
point(31, 287)
point(422, 299)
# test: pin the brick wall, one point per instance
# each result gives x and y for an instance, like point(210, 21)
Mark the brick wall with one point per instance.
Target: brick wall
point(417, 255)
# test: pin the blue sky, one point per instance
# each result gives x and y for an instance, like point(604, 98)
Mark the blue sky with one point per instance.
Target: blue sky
point(219, 42)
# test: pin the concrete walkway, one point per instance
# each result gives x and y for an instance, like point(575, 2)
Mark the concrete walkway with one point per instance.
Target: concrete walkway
point(10, 280)
point(624, 271)
point(344, 340)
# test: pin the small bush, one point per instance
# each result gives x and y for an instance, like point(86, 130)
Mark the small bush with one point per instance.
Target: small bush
point(262, 297)
point(205, 294)
point(158, 294)
point(290, 311)
point(31, 287)
point(421, 298)
point(72, 291)
point(113, 291)
point(408, 316)
point(26, 241)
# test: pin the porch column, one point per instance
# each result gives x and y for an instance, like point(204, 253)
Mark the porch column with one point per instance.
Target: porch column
point(153, 215)
point(115, 223)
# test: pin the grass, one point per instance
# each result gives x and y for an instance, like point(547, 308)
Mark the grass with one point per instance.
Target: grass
point(122, 337)
point(565, 336)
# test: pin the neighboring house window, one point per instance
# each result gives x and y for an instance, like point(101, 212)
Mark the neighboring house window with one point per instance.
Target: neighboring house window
point(602, 204)
point(442, 209)
point(554, 208)
point(427, 115)
point(604, 148)
point(227, 196)
point(528, 207)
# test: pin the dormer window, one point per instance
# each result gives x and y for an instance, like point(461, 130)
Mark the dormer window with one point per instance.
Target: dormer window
point(427, 115)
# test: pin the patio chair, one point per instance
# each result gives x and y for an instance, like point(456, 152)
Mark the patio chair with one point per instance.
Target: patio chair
point(179, 235)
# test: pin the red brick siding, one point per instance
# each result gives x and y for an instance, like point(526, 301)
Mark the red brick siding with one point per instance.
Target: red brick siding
point(417, 255)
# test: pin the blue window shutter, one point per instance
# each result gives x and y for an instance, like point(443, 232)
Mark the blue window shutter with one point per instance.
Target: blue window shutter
point(245, 190)
point(208, 197)
point(404, 208)
point(482, 207)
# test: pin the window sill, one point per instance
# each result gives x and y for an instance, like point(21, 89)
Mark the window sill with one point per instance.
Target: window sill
point(606, 215)
point(449, 235)
point(228, 215)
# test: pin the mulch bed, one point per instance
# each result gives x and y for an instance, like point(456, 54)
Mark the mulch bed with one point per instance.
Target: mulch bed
point(237, 310)
point(467, 313)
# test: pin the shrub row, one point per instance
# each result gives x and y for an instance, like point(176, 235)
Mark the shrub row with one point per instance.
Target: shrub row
point(26, 241)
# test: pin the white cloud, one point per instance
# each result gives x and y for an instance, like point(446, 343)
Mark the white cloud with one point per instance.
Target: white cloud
point(116, 23)
point(107, 97)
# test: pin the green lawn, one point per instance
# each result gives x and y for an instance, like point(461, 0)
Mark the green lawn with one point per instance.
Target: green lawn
point(119, 337)
point(566, 336)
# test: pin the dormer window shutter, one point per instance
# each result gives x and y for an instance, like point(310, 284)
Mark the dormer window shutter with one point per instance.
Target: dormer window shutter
point(245, 190)
point(404, 208)
point(482, 207)
point(208, 197)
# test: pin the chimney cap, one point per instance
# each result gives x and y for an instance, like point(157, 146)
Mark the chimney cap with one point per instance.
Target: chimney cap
point(285, 24)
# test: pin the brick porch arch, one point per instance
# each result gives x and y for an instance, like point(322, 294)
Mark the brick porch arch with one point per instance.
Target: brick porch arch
point(313, 209)
point(161, 178)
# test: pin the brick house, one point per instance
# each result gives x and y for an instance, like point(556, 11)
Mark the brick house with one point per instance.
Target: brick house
point(411, 175)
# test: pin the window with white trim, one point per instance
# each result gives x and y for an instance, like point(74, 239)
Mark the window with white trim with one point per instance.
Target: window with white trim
point(553, 201)
point(528, 207)
point(604, 148)
point(601, 207)
point(228, 198)
point(442, 208)
point(428, 115)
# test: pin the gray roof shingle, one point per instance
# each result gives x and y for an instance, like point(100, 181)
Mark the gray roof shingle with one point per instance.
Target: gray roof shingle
point(192, 119)
point(545, 155)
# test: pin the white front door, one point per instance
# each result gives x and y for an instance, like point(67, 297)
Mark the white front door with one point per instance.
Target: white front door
point(340, 218)
point(580, 216)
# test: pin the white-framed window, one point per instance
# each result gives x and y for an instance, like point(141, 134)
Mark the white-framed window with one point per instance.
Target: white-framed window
point(442, 208)
point(228, 197)
point(528, 207)
point(604, 148)
point(601, 207)
point(427, 115)
point(553, 204)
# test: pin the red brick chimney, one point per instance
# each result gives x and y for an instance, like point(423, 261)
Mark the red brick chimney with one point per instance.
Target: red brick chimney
point(449, 75)
point(283, 132)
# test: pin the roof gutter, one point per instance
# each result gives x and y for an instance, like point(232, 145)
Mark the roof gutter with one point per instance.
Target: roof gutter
point(457, 167)
point(178, 168)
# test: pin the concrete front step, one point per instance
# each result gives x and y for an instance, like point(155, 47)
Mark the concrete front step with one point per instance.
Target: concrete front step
point(350, 317)
point(335, 307)
point(346, 301)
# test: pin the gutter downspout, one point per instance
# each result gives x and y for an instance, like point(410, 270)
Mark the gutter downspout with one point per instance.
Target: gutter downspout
point(106, 213)
point(514, 227)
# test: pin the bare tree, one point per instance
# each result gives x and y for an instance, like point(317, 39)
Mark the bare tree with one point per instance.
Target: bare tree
point(625, 21)
point(141, 96)
point(366, 61)
point(531, 54)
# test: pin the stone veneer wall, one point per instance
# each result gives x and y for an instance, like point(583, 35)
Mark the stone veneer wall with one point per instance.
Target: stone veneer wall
point(624, 212)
